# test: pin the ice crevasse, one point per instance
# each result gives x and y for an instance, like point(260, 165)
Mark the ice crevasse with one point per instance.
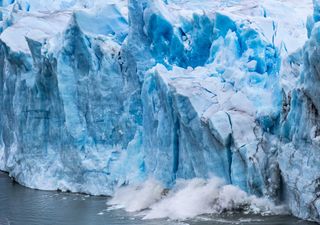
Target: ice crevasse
point(99, 94)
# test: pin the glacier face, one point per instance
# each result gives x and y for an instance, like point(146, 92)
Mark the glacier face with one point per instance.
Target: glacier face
point(97, 94)
point(54, 124)
point(300, 131)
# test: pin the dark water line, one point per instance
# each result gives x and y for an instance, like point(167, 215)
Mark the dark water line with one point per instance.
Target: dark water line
point(24, 206)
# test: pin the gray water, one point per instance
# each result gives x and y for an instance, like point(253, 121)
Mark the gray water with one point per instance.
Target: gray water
point(23, 206)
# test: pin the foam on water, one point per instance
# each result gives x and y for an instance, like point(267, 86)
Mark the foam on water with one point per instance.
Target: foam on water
point(189, 199)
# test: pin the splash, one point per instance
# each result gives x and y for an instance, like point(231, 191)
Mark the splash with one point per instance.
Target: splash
point(189, 199)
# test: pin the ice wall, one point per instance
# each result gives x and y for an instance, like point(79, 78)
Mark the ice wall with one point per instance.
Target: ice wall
point(64, 117)
point(96, 95)
point(194, 110)
point(300, 133)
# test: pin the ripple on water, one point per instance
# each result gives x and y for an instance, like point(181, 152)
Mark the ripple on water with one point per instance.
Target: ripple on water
point(23, 206)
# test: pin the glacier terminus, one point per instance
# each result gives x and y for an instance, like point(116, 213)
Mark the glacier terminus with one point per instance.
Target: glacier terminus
point(97, 95)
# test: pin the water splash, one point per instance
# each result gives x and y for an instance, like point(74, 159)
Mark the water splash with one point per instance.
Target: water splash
point(189, 199)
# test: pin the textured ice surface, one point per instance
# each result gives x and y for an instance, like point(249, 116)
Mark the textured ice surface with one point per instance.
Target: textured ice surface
point(100, 94)
point(65, 113)
point(300, 131)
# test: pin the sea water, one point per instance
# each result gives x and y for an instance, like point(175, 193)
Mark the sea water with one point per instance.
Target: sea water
point(24, 206)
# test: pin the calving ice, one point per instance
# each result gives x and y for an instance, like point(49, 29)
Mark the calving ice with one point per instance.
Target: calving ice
point(189, 199)
point(96, 95)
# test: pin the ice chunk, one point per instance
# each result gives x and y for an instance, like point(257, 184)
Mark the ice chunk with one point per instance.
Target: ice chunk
point(35, 27)
point(220, 126)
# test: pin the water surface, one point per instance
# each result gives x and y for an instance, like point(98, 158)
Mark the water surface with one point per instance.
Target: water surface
point(23, 206)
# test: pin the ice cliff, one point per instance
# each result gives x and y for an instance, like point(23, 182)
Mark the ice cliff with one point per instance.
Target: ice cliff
point(299, 150)
point(99, 94)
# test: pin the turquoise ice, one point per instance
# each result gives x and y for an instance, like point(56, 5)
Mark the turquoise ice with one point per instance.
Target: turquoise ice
point(99, 94)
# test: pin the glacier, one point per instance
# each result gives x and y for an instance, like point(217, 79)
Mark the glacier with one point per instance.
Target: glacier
point(101, 94)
